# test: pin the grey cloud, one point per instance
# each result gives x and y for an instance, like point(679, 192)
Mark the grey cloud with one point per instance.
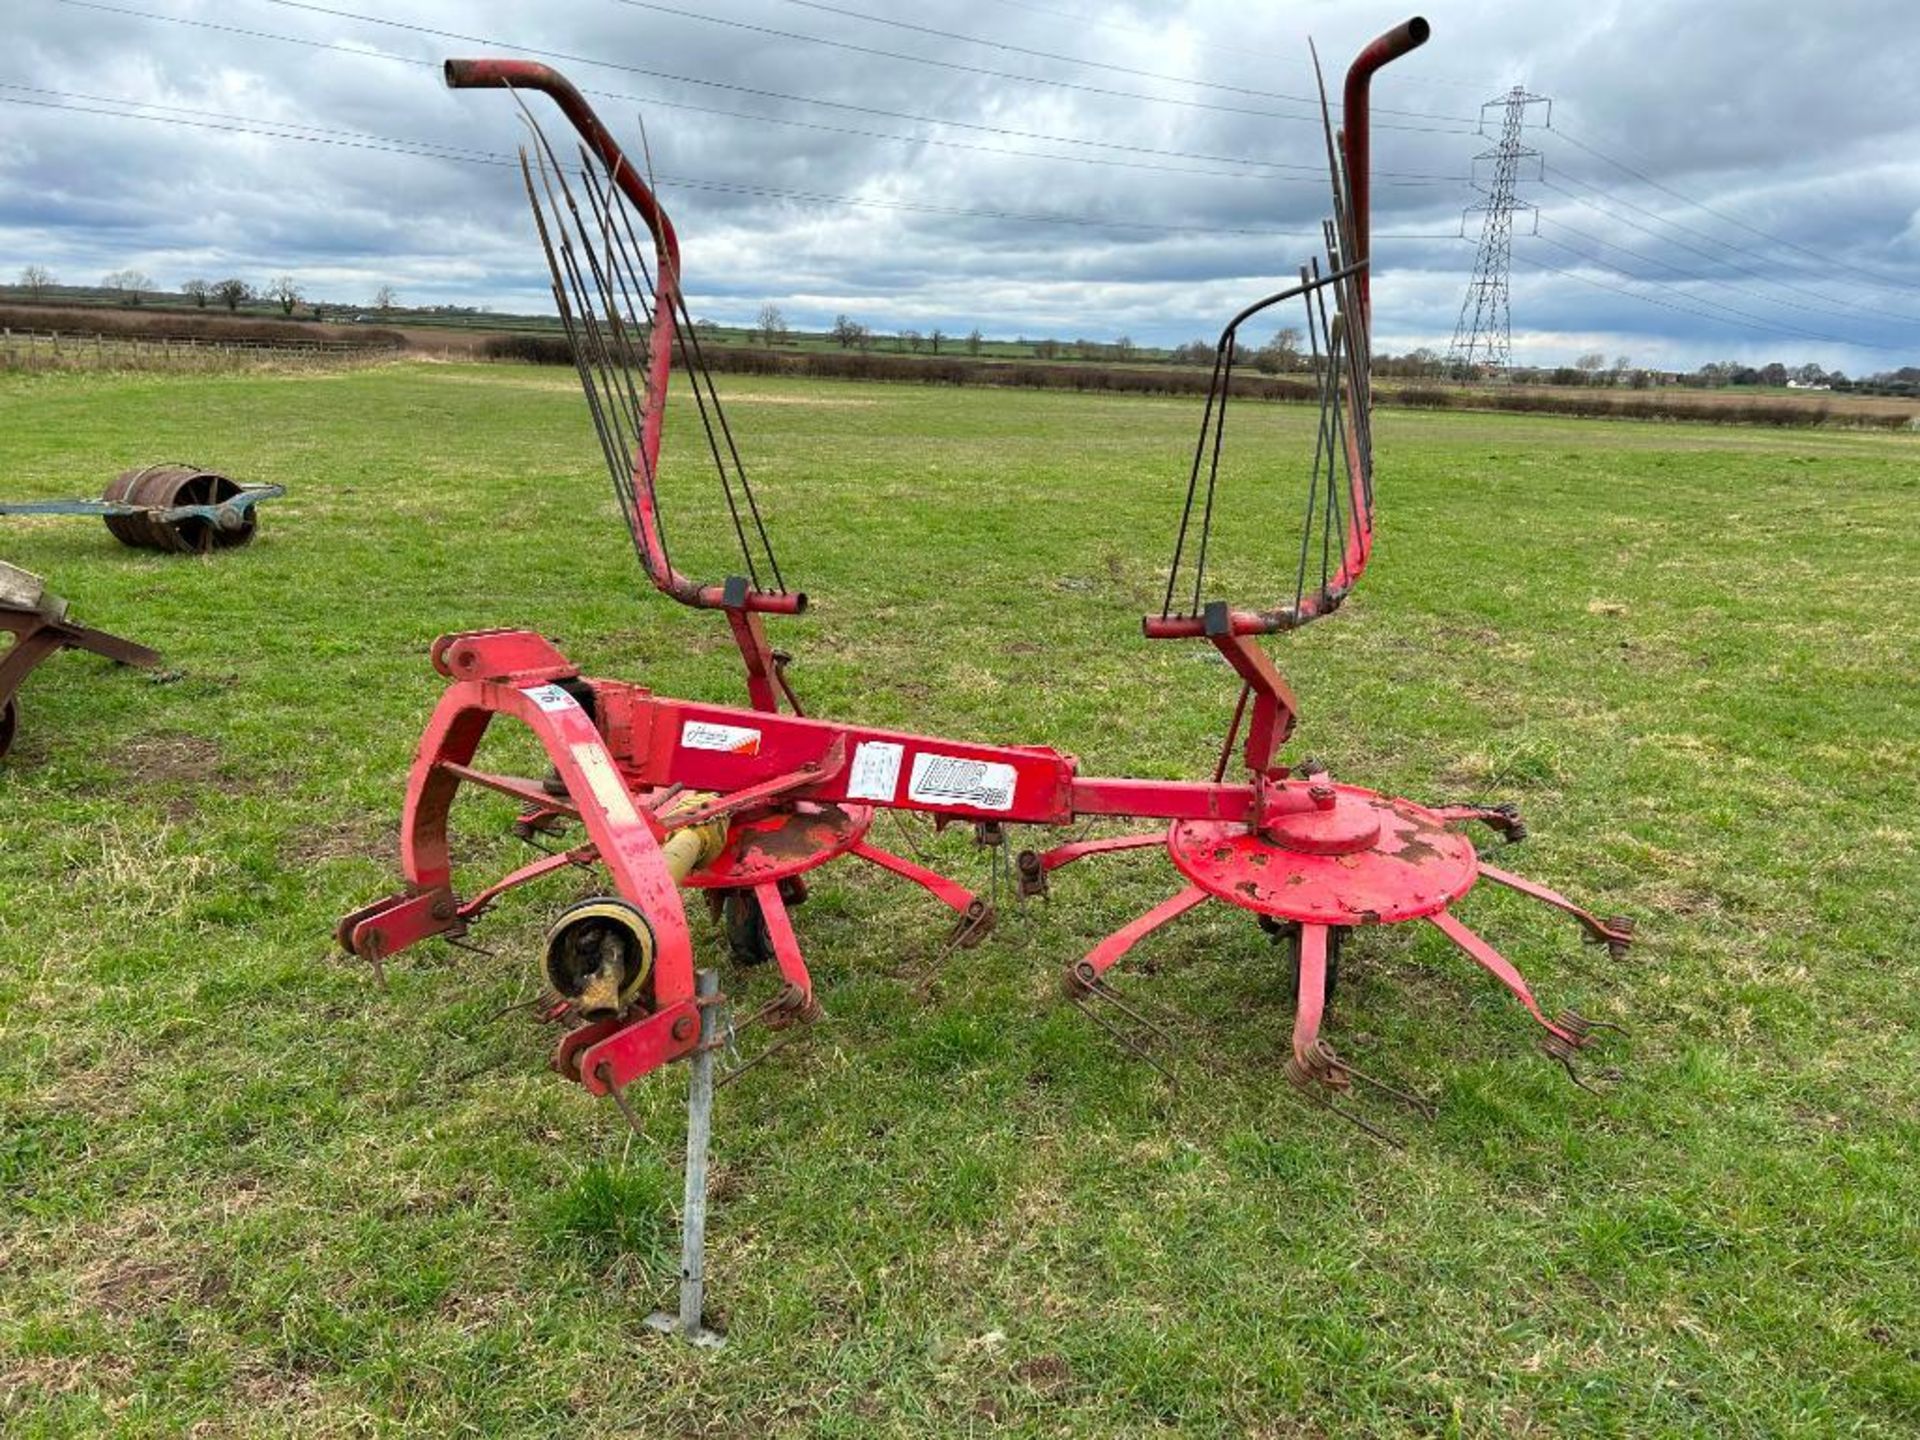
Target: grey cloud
point(1797, 120)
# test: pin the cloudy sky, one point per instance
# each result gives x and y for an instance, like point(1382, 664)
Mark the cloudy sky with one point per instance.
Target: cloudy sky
point(1737, 181)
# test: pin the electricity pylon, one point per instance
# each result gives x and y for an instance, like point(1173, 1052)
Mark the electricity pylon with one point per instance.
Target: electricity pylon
point(1483, 338)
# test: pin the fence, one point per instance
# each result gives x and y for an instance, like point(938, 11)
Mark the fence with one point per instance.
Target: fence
point(66, 350)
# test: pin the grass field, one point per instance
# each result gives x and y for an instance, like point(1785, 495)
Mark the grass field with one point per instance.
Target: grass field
point(244, 1191)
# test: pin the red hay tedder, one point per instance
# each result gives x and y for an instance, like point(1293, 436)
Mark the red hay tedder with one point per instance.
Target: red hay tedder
point(744, 803)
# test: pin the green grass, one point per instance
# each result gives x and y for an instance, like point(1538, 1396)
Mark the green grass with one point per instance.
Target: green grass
point(245, 1191)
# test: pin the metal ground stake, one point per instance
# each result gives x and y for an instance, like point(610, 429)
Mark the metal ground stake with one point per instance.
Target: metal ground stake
point(688, 1324)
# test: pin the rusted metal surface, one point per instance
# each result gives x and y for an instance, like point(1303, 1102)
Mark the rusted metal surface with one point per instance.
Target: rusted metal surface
point(40, 627)
point(183, 509)
point(1412, 866)
point(783, 843)
point(176, 508)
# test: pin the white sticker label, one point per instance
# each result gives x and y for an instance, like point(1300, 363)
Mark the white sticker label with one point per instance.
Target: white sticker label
point(550, 698)
point(605, 782)
point(876, 770)
point(730, 739)
point(950, 780)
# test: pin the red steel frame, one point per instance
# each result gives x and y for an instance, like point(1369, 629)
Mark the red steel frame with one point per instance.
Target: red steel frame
point(1285, 845)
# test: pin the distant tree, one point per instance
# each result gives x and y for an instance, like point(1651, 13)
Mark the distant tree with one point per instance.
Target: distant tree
point(232, 292)
point(197, 291)
point(1046, 349)
point(129, 285)
point(384, 299)
point(36, 280)
point(973, 341)
point(934, 337)
point(1773, 374)
point(1280, 353)
point(1809, 374)
point(912, 340)
point(773, 325)
point(283, 292)
point(846, 331)
point(1590, 365)
point(1621, 364)
point(1123, 348)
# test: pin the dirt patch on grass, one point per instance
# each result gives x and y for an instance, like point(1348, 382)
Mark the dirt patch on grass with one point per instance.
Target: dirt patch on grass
point(170, 769)
point(341, 840)
point(170, 759)
point(127, 1288)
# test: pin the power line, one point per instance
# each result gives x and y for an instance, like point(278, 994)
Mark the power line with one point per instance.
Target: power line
point(260, 126)
point(1752, 322)
point(962, 68)
point(1760, 275)
point(1395, 178)
point(908, 25)
point(1241, 52)
point(429, 150)
point(1825, 260)
point(1688, 276)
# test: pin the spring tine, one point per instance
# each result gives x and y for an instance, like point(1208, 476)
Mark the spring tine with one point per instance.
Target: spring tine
point(1103, 991)
point(619, 1098)
point(721, 1081)
point(1418, 1102)
point(527, 1004)
point(1126, 1042)
point(1325, 1103)
point(1574, 1075)
point(1385, 1137)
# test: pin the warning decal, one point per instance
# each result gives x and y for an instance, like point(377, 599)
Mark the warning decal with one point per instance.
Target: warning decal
point(876, 770)
point(731, 739)
point(950, 780)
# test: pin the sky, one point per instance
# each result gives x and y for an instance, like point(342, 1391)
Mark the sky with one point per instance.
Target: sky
point(1733, 181)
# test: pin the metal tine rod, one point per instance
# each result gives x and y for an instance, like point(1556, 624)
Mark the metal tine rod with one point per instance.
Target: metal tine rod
point(706, 420)
point(1212, 422)
point(1100, 990)
point(633, 452)
point(1334, 518)
point(1359, 364)
point(1126, 1041)
point(706, 394)
point(1325, 363)
point(1327, 1103)
point(649, 286)
point(608, 205)
point(1319, 446)
point(618, 465)
point(1213, 466)
point(697, 369)
point(699, 363)
point(624, 317)
point(722, 1081)
point(1214, 397)
point(594, 346)
point(1406, 1097)
point(614, 373)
